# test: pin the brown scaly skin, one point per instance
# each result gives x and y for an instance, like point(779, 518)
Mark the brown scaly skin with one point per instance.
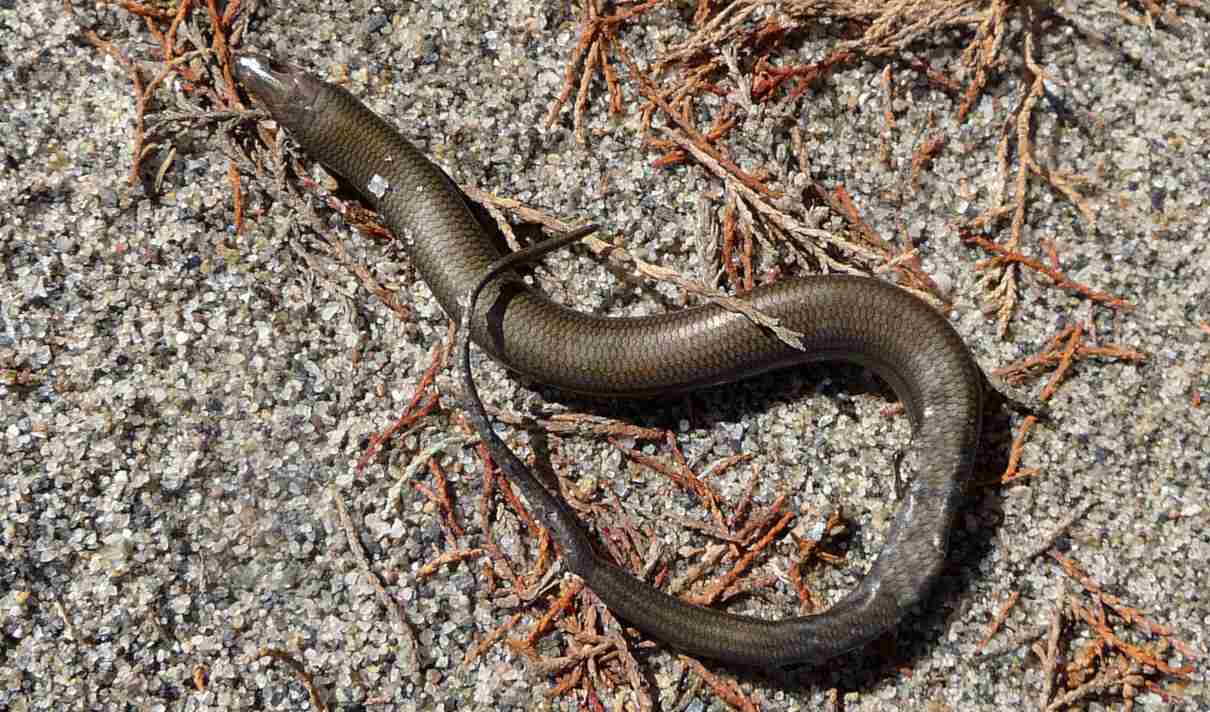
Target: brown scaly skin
point(843, 318)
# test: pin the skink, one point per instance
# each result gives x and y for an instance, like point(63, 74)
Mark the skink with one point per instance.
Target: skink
point(843, 318)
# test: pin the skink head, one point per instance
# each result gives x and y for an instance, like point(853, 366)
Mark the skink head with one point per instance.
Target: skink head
point(284, 90)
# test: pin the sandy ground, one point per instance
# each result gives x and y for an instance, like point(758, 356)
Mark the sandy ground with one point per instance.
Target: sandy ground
point(183, 407)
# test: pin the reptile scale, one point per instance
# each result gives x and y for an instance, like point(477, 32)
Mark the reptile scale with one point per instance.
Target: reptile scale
point(842, 318)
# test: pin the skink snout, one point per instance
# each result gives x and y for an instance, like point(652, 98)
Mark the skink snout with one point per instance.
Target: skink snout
point(283, 89)
point(260, 75)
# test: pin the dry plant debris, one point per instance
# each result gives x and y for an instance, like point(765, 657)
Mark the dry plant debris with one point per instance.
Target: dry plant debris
point(1057, 356)
point(203, 68)
point(589, 653)
point(1108, 663)
point(738, 51)
point(1090, 643)
point(314, 693)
